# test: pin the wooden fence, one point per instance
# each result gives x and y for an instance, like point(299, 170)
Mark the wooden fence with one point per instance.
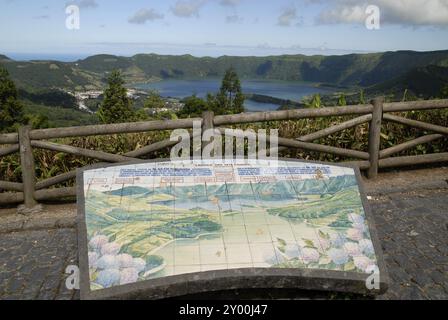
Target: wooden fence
point(30, 192)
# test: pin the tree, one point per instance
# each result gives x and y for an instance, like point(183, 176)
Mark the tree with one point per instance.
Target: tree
point(11, 110)
point(116, 106)
point(362, 99)
point(341, 100)
point(315, 102)
point(444, 93)
point(193, 107)
point(230, 97)
point(154, 101)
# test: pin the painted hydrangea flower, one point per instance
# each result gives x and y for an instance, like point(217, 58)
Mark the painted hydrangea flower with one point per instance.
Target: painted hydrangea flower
point(108, 261)
point(139, 264)
point(363, 263)
point(352, 249)
point(292, 251)
point(125, 260)
point(366, 246)
point(98, 241)
point(128, 275)
point(354, 234)
point(337, 239)
point(108, 278)
point(338, 256)
point(310, 255)
point(110, 248)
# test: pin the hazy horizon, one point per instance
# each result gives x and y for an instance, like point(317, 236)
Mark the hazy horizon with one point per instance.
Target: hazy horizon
point(220, 27)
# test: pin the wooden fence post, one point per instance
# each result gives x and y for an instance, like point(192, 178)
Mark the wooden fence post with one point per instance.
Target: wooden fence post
point(207, 123)
point(375, 137)
point(28, 170)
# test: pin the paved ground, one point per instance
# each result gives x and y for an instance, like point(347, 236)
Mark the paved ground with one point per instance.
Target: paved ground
point(410, 210)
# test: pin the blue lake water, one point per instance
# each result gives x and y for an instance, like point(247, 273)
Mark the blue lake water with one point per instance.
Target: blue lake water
point(287, 90)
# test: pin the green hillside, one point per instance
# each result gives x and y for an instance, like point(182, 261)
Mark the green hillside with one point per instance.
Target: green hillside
point(346, 70)
point(426, 82)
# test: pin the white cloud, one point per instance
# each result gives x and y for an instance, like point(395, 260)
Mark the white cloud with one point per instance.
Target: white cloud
point(143, 15)
point(413, 13)
point(287, 17)
point(188, 8)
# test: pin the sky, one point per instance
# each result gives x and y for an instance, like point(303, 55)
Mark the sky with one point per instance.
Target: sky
point(38, 29)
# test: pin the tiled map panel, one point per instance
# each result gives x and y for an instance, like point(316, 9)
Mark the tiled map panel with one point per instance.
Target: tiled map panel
point(152, 220)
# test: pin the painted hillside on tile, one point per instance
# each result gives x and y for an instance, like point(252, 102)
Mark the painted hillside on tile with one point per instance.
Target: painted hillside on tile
point(153, 220)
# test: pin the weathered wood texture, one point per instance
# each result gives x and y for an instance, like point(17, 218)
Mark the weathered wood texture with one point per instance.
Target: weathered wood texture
point(375, 137)
point(28, 169)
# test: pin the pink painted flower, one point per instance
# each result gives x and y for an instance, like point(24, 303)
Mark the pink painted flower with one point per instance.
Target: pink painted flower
point(363, 263)
point(98, 241)
point(354, 234)
point(310, 255)
point(125, 260)
point(128, 275)
point(110, 248)
point(352, 249)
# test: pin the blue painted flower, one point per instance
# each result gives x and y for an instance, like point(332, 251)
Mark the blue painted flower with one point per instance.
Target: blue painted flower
point(337, 239)
point(108, 278)
point(108, 262)
point(338, 256)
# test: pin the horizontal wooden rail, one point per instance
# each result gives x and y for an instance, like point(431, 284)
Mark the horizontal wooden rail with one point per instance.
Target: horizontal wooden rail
point(291, 114)
point(414, 160)
point(118, 128)
point(416, 124)
point(415, 105)
point(408, 145)
point(11, 186)
point(8, 150)
point(41, 195)
point(9, 138)
point(362, 165)
point(99, 155)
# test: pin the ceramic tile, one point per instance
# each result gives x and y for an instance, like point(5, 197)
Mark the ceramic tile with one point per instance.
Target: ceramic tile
point(161, 219)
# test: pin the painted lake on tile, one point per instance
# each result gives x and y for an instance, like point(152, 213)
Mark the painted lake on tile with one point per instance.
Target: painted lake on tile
point(154, 220)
